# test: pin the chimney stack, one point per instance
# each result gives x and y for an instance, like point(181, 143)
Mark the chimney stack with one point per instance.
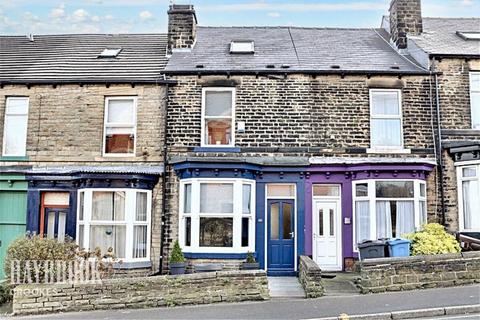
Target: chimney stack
point(405, 19)
point(182, 25)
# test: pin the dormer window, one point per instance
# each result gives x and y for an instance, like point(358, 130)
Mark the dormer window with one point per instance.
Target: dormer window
point(242, 46)
point(109, 53)
point(469, 35)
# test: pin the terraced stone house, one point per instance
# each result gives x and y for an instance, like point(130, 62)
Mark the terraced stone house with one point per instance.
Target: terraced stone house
point(280, 141)
point(449, 48)
point(286, 141)
point(82, 122)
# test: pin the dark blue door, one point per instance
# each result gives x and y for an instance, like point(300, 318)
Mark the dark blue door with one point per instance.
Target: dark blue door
point(280, 233)
point(56, 223)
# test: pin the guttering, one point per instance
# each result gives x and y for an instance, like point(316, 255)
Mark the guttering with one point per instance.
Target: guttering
point(453, 56)
point(29, 82)
point(164, 180)
point(296, 71)
point(440, 150)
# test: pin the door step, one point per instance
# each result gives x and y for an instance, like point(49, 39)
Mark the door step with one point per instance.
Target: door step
point(285, 287)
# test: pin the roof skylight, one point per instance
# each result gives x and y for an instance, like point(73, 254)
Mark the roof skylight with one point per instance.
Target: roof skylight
point(242, 46)
point(469, 35)
point(109, 53)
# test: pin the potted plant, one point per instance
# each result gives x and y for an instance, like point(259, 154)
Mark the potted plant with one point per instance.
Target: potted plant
point(250, 262)
point(177, 260)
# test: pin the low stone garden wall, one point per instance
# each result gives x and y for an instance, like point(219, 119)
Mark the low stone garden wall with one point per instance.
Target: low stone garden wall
point(418, 272)
point(310, 276)
point(158, 291)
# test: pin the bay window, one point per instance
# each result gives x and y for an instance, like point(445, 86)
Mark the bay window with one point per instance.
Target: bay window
point(217, 215)
point(388, 208)
point(218, 117)
point(386, 130)
point(117, 219)
point(120, 126)
point(475, 99)
point(469, 197)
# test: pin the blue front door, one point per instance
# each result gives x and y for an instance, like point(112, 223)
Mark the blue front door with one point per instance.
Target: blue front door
point(280, 237)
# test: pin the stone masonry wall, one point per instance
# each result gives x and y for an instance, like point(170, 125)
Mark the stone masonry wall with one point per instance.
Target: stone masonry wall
point(327, 114)
point(454, 84)
point(65, 123)
point(310, 276)
point(419, 272)
point(159, 291)
point(405, 19)
point(456, 123)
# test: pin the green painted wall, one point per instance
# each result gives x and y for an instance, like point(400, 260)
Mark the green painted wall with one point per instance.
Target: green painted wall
point(13, 211)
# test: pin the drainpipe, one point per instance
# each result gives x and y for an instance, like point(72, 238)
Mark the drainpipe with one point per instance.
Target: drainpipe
point(439, 151)
point(164, 179)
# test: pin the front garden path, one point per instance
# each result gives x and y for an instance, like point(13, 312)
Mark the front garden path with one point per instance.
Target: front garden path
point(285, 287)
point(340, 283)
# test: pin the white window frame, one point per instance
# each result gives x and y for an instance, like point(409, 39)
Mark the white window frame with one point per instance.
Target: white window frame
point(372, 198)
point(129, 222)
point(237, 216)
point(5, 133)
point(472, 90)
point(387, 149)
point(120, 125)
point(204, 143)
point(460, 179)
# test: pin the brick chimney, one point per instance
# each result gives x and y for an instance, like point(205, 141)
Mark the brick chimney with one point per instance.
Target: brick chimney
point(405, 19)
point(182, 25)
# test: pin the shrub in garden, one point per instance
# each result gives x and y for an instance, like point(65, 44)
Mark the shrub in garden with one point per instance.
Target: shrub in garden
point(36, 248)
point(5, 292)
point(31, 251)
point(250, 257)
point(177, 255)
point(432, 239)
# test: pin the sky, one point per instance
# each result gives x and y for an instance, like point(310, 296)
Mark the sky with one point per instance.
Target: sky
point(147, 16)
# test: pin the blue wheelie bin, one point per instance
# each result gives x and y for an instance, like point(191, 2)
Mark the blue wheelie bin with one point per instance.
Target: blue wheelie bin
point(398, 247)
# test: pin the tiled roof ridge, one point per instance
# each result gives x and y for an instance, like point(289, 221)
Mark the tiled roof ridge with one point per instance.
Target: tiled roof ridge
point(286, 27)
point(453, 18)
point(82, 34)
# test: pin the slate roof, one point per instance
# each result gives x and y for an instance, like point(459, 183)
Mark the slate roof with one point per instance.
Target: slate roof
point(301, 49)
point(265, 160)
point(74, 57)
point(134, 169)
point(360, 160)
point(439, 36)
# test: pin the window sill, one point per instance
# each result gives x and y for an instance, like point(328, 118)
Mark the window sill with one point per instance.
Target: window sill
point(205, 255)
point(216, 149)
point(133, 265)
point(118, 155)
point(388, 151)
point(13, 158)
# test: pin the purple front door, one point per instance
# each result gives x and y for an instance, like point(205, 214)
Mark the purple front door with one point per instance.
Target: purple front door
point(281, 237)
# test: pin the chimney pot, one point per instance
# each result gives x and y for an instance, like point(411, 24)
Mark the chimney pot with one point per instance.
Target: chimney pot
point(405, 19)
point(182, 26)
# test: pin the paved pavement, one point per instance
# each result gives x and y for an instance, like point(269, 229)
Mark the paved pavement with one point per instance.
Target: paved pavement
point(463, 317)
point(297, 308)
